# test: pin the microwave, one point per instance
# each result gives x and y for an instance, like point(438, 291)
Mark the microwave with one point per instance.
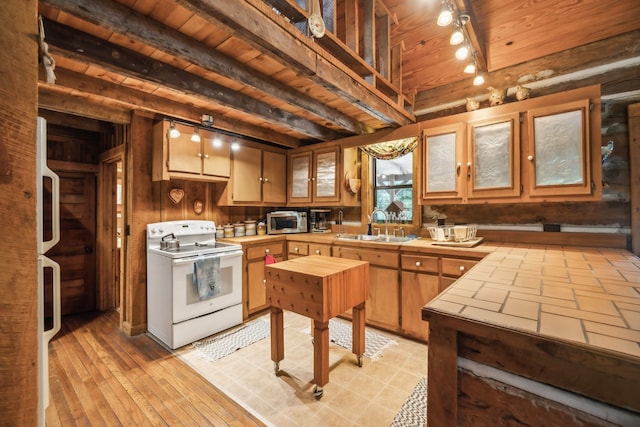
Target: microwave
point(282, 222)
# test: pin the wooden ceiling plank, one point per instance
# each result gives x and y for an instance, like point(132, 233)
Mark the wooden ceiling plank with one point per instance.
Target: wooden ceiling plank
point(114, 57)
point(124, 21)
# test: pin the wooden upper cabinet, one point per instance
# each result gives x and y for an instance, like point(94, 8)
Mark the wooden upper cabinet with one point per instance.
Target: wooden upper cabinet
point(558, 149)
point(321, 177)
point(539, 149)
point(180, 157)
point(258, 177)
point(441, 156)
point(492, 164)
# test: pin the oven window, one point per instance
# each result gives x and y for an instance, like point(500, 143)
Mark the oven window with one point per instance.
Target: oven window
point(221, 286)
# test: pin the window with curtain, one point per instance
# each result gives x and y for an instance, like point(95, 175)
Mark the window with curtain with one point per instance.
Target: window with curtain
point(392, 187)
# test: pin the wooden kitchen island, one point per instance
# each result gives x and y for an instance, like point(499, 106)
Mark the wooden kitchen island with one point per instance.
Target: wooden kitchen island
point(538, 336)
point(320, 288)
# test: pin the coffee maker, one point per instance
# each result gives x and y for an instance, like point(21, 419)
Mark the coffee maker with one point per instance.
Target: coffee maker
point(319, 220)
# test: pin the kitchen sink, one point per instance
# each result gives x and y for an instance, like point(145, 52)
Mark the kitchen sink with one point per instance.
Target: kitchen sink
point(375, 238)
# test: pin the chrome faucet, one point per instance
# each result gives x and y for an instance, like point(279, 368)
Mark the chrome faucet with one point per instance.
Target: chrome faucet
point(386, 220)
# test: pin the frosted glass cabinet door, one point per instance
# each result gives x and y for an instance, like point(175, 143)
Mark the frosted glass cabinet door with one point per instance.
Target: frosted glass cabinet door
point(441, 157)
point(494, 152)
point(559, 149)
point(325, 183)
point(300, 184)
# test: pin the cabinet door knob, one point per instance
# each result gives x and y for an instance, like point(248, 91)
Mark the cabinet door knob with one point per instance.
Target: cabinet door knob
point(266, 251)
point(266, 180)
point(260, 179)
point(462, 268)
point(206, 156)
point(530, 157)
point(418, 263)
point(199, 154)
point(296, 250)
point(317, 251)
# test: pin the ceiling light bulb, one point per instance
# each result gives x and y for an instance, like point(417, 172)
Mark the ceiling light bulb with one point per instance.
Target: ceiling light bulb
point(478, 80)
point(446, 16)
point(470, 68)
point(196, 136)
point(173, 132)
point(235, 146)
point(463, 52)
point(217, 142)
point(457, 36)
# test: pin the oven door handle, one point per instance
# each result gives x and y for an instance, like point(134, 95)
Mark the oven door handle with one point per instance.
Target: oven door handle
point(191, 260)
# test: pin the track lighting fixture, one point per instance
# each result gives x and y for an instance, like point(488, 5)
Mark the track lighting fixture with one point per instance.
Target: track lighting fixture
point(457, 36)
point(478, 79)
point(446, 14)
point(173, 132)
point(463, 52)
point(196, 135)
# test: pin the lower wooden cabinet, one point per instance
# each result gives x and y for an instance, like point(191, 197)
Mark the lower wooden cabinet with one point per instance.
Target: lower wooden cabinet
point(253, 290)
point(417, 290)
point(424, 276)
point(383, 304)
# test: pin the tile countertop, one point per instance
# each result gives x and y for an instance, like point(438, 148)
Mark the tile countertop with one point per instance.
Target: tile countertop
point(577, 294)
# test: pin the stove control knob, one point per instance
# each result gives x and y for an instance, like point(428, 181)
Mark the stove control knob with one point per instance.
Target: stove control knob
point(153, 230)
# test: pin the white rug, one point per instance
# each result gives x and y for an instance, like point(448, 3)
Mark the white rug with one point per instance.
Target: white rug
point(219, 346)
point(414, 410)
point(340, 334)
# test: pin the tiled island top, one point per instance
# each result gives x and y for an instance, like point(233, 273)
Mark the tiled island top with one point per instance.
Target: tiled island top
point(584, 295)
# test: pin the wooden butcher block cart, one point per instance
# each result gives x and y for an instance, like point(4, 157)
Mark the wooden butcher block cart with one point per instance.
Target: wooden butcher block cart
point(318, 287)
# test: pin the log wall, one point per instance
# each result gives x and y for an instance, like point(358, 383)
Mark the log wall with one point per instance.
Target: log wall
point(18, 264)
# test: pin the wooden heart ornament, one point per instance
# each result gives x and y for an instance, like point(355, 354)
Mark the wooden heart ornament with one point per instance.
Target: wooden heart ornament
point(176, 195)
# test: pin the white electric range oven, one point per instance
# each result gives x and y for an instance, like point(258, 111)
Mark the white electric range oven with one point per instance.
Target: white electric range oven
point(194, 284)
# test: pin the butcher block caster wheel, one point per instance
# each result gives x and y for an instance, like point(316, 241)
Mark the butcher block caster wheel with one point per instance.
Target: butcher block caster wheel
point(360, 360)
point(276, 367)
point(317, 392)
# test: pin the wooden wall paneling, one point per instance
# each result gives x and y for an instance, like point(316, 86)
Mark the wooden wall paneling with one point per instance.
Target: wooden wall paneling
point(142, 200)
point(634, 168)
point(18, 264)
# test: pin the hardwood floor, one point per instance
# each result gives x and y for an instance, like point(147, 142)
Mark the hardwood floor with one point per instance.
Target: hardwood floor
point(100, 376)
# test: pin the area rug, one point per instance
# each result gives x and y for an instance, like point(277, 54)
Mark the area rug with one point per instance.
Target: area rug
point(414, 410)
point(340, 334)
point(219, 346)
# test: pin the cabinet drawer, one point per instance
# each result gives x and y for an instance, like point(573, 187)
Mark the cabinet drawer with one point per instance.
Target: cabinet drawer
point(422, 263)
point(297, 248)
point(319, 249)
point(259, 251)
point(374, 257)
point(456, 267)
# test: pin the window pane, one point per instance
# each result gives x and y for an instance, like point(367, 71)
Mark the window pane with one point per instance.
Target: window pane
point(393, 188)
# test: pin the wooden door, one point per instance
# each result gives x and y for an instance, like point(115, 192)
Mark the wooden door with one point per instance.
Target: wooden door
point(76, 250)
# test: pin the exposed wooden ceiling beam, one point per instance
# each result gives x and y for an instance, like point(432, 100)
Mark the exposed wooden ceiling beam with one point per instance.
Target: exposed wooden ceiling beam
point(125, 21)
point(254, 22)
point(113, 95)
point(75, 44)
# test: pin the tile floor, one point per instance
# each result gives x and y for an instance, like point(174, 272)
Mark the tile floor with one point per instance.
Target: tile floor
point(370, 395)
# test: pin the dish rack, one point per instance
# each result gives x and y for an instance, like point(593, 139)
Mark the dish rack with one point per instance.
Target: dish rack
point(450, 233)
